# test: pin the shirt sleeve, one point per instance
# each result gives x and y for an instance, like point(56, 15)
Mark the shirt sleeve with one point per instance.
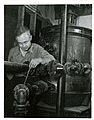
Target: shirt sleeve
point(46, 56)
point(10, 56)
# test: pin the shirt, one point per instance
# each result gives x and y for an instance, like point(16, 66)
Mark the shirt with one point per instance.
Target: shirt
point(36, 51)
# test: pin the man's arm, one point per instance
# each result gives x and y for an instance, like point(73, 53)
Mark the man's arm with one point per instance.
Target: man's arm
point(43, 57)
point(46, 56)
point(10, 56)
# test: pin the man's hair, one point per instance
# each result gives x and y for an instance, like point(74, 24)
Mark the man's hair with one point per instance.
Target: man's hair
point(20, 30)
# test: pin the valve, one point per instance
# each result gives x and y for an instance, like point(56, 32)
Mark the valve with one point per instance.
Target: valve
point(21, 93)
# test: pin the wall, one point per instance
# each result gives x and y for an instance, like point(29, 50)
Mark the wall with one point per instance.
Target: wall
point(10, 22)
point(85, 21)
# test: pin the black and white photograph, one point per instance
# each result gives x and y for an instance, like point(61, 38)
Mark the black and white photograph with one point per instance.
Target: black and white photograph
point(48, 61)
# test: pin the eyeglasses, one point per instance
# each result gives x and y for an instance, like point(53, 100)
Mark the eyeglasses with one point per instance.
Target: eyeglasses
point(25, 42)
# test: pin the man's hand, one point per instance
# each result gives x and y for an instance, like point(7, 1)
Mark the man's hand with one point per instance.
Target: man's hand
point(34, 62)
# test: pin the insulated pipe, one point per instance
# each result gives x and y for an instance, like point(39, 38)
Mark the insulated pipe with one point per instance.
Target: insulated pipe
point(63, 53)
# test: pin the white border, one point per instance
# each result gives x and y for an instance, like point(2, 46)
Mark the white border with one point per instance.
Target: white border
point(48, 1)
point(21, 2)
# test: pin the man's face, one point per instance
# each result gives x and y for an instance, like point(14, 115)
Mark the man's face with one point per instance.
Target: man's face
point(24, 41)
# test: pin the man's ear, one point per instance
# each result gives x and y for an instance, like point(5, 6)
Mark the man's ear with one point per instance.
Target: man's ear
point(30, 37)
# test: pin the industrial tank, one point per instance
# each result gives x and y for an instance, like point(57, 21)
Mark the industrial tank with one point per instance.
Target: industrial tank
point(78, 45)
point(79, 48)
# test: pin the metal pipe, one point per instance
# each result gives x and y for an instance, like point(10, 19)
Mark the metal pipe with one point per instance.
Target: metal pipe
point(63, 36)
point(60, 96)
point(63, 56)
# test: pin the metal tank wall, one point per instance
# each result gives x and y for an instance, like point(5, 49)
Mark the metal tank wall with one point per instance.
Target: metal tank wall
point(78, 47)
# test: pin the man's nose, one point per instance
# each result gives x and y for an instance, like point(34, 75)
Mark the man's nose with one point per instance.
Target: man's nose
point(24, 45)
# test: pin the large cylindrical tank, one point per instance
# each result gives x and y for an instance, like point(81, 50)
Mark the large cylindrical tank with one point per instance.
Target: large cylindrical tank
point(78, 42)
point(78, 47)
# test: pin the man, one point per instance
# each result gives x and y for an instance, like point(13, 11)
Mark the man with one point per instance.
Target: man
point(28, 51)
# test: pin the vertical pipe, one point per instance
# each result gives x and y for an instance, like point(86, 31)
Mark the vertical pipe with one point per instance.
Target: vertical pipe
point(35, 20)
point(60, 96)
point(63, 36)
point(21, 12)
point(63, 54)
point(33, 17)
